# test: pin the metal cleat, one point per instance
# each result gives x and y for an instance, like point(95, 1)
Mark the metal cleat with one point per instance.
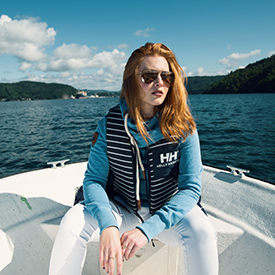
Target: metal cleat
point(237, 171)
point(60, 163)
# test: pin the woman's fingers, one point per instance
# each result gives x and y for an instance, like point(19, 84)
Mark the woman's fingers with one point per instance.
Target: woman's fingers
point(110, 250)
point(119, 263)
point(111, 264)
point(131, 242)
point(130, 252)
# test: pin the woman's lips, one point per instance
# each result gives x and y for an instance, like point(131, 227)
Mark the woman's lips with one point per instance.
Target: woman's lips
point(157, 93)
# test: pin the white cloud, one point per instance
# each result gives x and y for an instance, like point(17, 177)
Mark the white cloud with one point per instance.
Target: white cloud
point(100, 72)
point(232, 60)
point(84, 70)
point(72, 51)
point(66, 58)
point(200, 71)
point(81, 80)
point(25, 66)
point(78, 65)
point(271, 53)
point(25, 38)
point(123, 46)
point(144, 33)
point(74, 57)
point(108, 59)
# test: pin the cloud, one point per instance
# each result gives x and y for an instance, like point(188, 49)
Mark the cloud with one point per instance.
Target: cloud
point(271, 53)
point(66, 58)
point(75, 57)
point(232, 60)
point(78, 65)
point(184, 69)
point(72, 51)
point(25, 66)
point(25, 38)
point(144, 33)
point(200, 71)
point(123, 46)
point(81, 80)
point(107, 59)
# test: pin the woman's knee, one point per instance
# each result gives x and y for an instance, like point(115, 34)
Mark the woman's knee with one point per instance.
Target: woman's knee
point(202, 229)
point(198, 225)
point(205, 231)
point(73, 217)
point(78, 222)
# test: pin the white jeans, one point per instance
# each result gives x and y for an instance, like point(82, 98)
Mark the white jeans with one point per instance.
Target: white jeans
point(194, 233)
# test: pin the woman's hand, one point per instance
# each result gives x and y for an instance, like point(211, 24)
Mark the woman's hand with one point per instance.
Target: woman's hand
point(131, 242)
point(110, 250)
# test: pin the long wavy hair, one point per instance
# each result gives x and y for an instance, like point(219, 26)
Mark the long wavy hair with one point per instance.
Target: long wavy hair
point(176, 121)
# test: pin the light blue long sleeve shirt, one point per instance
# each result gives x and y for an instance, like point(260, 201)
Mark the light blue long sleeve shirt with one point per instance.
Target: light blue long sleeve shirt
point(189, 180)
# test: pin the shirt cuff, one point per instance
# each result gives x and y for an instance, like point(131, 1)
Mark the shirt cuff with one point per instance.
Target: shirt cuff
point(152, 227)
point(105, 218)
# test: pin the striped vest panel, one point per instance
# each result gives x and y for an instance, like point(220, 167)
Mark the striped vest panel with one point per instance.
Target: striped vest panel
point(121, 158)
point(162, 165)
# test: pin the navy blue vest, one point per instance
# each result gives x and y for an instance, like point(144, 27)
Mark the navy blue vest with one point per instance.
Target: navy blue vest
point(162, 165)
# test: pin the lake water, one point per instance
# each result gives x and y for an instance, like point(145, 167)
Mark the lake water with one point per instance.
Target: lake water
point(236, 130)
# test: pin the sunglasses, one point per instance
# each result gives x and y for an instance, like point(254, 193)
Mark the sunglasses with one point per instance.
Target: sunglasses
point(148, 76)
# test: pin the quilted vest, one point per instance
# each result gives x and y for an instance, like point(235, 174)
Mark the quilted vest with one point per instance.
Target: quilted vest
point(162, 165)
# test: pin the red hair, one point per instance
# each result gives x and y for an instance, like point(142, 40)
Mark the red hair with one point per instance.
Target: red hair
point(176, 121)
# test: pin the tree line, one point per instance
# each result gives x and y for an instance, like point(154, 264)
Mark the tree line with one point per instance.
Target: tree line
point(258, 77)
point(26, 90)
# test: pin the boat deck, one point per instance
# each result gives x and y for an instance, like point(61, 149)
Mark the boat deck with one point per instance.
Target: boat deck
point(32, 205)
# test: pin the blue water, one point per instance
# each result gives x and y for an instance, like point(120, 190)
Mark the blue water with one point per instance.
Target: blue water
point(236, 130)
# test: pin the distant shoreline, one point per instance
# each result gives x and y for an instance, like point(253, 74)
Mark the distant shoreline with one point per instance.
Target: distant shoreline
point(258, 77)
point(117, 95)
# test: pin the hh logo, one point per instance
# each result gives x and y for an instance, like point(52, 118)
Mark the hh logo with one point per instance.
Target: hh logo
point(168, 157)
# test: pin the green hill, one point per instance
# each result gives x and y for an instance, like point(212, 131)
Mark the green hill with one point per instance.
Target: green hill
point(258, 77)
point(25, 90)
point(198, 84)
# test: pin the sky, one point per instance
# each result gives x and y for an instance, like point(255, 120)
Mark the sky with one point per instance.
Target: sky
point(86, 43)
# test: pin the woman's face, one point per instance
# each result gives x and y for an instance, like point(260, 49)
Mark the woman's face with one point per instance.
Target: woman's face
point(154, 93)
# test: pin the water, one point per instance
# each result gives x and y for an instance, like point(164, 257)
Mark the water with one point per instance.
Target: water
point(236, 130)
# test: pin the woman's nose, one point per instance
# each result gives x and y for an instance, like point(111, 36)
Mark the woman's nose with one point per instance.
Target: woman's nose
point(159, 80)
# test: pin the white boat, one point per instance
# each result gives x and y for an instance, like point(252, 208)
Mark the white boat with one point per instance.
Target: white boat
point(241, 209)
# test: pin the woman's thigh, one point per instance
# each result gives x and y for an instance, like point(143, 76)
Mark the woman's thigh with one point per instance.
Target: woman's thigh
point(79, 222)
point(194, 226)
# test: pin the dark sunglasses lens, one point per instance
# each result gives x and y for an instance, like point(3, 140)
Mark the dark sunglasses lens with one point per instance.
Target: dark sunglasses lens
point(149, 77)
point(167, 79)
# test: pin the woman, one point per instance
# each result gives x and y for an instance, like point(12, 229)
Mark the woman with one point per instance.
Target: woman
point(143, 178)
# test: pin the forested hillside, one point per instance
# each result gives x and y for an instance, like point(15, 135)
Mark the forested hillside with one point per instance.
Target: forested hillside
point(258, 77)
point(199, 84)
point(25, 90)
